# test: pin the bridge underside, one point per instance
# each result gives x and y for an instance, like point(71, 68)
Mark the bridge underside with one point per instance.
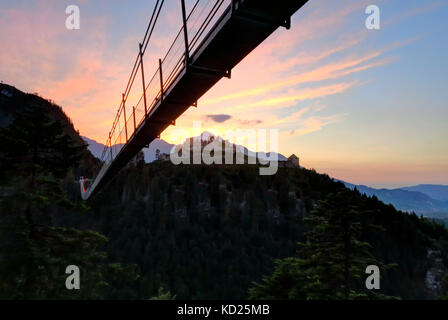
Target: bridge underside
point(240, 29)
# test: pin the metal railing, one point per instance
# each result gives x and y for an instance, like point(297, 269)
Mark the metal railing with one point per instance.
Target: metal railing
point(129, 117)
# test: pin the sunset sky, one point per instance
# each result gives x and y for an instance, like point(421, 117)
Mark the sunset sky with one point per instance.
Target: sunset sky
point(366, 106)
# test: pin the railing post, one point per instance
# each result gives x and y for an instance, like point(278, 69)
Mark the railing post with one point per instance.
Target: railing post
point(133, 115)
point(110, 145)
point(125, 120)
point(143, 79)
point(161, 80)
point(184, 17)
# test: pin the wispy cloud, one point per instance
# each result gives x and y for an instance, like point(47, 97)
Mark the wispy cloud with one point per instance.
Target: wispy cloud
point(329, 71)
point(294, 96)
point(314, 123)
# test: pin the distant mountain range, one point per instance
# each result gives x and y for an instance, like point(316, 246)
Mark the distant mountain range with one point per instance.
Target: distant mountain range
point(435, 191)
point(426, 199)
point(97, 148)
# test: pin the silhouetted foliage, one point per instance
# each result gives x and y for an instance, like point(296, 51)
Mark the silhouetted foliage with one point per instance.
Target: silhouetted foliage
point(34, 254)
point(332, 261)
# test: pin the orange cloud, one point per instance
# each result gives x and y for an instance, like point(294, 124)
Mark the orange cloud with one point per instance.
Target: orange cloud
point(305, 94)
point(330, 71)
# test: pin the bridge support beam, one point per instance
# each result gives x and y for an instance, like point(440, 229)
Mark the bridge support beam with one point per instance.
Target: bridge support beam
point(171, 122)
point(286, 23)
point(175, 103)
point(213, 72)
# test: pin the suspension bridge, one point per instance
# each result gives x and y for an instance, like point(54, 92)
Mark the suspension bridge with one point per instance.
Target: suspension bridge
point(215, 36)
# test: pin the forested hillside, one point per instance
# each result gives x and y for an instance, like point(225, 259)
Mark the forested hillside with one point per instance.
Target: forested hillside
point(208, 232)
point(196, 231)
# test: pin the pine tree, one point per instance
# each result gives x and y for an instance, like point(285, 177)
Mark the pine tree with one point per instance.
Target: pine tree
point(286, 283)
point(332, 259)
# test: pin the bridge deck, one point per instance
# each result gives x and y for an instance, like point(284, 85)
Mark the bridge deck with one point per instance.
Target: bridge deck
point(238, 31)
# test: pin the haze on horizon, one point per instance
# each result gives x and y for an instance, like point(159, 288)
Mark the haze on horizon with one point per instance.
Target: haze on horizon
point(365, 106)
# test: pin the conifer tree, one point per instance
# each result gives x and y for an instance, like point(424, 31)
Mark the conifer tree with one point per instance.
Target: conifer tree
point(332, 260)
